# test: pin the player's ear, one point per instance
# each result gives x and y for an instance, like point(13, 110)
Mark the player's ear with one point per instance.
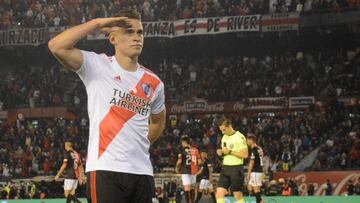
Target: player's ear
point(112, 38)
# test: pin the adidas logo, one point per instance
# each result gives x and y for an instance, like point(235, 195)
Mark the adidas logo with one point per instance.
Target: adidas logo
point(117, 78)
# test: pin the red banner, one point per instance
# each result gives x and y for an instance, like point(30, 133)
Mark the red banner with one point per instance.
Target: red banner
point(338, 180)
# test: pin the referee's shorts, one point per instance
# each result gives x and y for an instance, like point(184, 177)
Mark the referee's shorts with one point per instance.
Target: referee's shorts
point(233, 177)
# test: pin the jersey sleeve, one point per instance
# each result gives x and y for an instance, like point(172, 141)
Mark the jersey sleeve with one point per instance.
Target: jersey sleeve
point(158, 104)
point(252, 154)
point(90, 68)
point(241, 144)
point(66, 158)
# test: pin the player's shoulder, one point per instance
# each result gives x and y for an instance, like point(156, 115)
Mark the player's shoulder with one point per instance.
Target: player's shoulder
point(240, 135)
point(150, 72)
point(97, 55)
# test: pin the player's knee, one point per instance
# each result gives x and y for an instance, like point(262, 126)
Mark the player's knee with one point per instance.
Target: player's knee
point(219, 194)
point(249, 189)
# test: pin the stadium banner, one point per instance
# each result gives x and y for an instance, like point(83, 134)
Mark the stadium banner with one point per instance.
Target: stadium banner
point(256, 103)
point(265, 103)
point(200, 106)
point(195, 26)
point(349, 101)
point(338, 180)
point(301, 102)
point(280, 22)
point(21, 37)
point(279, 199)
point(53, 31)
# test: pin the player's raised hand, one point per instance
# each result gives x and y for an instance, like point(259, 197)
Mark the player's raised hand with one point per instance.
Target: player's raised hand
point(112, 24)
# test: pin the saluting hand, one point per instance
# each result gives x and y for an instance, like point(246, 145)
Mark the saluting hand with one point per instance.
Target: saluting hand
point(112, 24)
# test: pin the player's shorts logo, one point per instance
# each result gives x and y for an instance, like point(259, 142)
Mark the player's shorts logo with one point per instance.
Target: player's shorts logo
point(146, 89)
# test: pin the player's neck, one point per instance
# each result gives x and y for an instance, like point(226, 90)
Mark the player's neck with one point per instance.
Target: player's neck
point(127, 63)
point(232, 131)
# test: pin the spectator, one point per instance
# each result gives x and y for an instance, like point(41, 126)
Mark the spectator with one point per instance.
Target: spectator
point(286, 191)
point(311, 189)
point(357, 187)
point(273, 189)
point(328, 188)
point(350, 187)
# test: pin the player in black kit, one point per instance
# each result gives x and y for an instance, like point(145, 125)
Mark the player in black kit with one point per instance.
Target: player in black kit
point(74, 172)
point(255, 169)
point(187, 165)
point(205, 174)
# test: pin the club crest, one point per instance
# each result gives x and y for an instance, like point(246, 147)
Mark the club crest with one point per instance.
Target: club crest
point(146, 89)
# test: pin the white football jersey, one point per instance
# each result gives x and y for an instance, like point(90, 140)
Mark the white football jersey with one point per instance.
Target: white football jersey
point(119, 105)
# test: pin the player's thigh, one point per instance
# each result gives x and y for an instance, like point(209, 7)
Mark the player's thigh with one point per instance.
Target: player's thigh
point(255, 179)
point(143, 189)
point(224, 178)
point(192, 180)
point(205, 185)
point(202, 184)
point(104, 186)
point(69, 185)
point(186, 181)
point(236, 178)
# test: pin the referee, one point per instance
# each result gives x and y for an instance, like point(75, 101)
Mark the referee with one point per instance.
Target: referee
point(234, 150)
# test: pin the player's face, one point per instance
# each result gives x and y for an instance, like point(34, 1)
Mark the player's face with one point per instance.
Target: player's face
point(203, 155)
point(226, 130)
point(249, 142)
point(129, 40)
point(67, 146)
point(184, 144)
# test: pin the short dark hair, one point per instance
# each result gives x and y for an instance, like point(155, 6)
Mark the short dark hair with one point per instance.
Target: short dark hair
point(224, 121)
point(129, 13)
point(251, 137)
point(185, 139)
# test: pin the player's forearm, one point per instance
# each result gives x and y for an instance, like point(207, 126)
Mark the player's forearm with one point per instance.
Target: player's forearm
point(155, 131)
point(82, 173)
point(210, 173)
point(251, 165)
point(156, 126)
point(61, 170)
point(241, 154)
point(199, 171)
point(177, 166)
point(68, 38)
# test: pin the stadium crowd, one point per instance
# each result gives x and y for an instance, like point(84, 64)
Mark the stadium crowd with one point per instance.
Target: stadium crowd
point(31, 147)
point(285, 139)
point(40, 13)
point(285, 74)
